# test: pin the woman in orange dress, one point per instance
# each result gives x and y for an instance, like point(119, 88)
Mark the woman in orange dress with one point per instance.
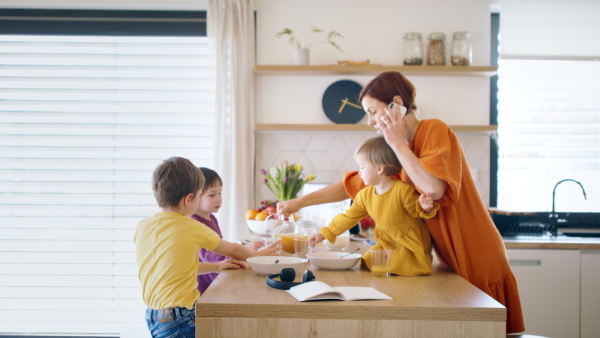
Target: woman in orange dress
point(464, 235)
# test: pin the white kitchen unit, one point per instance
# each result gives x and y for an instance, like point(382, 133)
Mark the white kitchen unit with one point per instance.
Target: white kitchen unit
point(590, 293)
point(549, 286)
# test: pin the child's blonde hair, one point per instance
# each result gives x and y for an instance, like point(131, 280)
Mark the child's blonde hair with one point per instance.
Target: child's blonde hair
point(379, 153)
point(174, 179)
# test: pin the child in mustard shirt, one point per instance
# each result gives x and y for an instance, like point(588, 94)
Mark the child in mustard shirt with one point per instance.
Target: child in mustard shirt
point(396, 207)
point(167, 245)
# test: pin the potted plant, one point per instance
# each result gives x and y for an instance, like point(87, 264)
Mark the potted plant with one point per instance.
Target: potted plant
point(316, 36)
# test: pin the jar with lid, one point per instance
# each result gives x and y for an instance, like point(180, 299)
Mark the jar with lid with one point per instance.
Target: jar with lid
point(413, 49)
point(436, 49)
point(461, 53)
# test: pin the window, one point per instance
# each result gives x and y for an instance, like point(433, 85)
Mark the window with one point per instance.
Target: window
point(84, 120)
point(548, 130)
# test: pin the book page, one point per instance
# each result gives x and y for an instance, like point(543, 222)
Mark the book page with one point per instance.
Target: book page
point(361, 293)
point(314, 290)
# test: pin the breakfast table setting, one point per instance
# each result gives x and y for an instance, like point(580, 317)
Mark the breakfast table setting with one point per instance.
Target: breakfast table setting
point(240, 303)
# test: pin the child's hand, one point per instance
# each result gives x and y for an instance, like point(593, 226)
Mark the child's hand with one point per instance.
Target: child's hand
point(314, 239)
point(255, 245)
point(232, 264)
point(426, 202)
point(271, 249)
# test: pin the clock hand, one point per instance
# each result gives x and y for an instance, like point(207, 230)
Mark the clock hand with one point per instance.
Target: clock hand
point(344, 101)
point(354, 105)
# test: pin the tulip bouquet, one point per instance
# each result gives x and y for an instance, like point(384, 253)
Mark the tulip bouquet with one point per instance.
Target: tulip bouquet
point(286, 180)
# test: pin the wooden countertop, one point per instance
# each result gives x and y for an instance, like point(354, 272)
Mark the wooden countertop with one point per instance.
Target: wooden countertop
point(547, 242)
point(442, 296)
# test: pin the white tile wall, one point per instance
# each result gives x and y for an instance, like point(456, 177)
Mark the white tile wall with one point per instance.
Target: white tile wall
point(328, 155)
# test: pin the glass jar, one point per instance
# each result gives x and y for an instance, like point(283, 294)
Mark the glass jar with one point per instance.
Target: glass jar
point(460, 52)
point(287, 230)
point(413, 49)
point(436, 49)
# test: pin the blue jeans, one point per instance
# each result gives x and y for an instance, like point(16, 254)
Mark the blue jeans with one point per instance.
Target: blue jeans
point(181, 322)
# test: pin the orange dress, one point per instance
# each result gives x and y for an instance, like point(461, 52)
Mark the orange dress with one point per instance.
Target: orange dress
point(464, 235)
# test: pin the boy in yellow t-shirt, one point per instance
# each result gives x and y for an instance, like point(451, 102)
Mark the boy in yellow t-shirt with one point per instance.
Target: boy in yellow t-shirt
point(167, 245)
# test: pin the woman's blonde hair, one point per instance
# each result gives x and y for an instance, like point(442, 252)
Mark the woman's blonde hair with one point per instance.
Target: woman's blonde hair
point(379, 153)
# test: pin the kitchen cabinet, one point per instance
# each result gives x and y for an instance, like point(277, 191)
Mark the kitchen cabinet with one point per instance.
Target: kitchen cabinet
point(590, 293)
point(549, 287)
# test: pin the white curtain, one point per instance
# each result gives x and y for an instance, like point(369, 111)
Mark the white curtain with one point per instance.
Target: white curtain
point(230, 25)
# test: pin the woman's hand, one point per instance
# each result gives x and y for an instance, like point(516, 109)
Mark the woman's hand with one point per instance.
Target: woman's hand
point(392, 127)
point(232, 264)
point(314, 239)
point(286, 208)
point(254, 245)
point(426, 202)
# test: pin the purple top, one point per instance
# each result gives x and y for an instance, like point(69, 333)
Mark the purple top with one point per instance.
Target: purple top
point(208, 256)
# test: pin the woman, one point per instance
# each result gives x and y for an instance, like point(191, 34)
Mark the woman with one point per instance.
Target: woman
point(464, 235)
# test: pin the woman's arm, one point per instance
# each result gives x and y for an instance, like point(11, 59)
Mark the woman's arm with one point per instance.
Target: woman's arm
point(334, 192)
point(423, 179)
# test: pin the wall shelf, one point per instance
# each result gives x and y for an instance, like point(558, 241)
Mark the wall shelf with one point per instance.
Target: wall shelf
point(487, 71)
point(358, 127)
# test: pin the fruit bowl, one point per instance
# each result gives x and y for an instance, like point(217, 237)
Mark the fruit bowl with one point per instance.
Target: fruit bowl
point(266, 265)
point(258, 227)
point(330, 260)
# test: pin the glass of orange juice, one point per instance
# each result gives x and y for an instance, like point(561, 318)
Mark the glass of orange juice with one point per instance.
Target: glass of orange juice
point(381, 262)
point(287, 241)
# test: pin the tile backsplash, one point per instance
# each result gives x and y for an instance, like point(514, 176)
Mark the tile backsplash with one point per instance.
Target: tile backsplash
point(328, 155)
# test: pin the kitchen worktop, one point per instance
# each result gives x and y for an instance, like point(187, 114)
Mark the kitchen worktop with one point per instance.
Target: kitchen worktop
point(548, 242)
point(240, 304)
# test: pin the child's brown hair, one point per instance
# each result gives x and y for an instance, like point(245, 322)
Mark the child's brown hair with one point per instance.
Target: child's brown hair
point(175, 178)
point(380, 153)
point(211, 178)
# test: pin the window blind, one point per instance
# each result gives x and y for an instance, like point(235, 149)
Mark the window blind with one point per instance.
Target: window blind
point(548, 130)
point(84, 120)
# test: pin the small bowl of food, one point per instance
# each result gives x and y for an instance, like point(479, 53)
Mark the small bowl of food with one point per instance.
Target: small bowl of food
point(333, 260)
point(266, 265)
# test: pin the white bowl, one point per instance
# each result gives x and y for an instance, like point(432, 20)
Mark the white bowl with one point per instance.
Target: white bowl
point(266, 265)
point(258, 227)
point(330, 260)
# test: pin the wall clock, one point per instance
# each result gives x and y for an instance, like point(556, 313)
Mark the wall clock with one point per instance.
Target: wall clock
point(340, 102)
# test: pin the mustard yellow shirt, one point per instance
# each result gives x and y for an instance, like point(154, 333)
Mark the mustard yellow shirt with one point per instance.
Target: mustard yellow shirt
point(166, 250)
point(399, 227)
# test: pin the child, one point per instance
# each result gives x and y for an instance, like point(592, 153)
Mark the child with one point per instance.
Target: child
point(396, 208)
point(210, 202)
point(167, 245)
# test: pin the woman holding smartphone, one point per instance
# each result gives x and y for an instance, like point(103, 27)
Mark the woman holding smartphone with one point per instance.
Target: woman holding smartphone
point(464, 235)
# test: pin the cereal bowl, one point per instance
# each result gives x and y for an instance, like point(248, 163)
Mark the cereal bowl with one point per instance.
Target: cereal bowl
point(266, 265)
point(333, 260)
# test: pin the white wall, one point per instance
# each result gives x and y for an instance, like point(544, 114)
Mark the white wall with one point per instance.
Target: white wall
point(373, 30)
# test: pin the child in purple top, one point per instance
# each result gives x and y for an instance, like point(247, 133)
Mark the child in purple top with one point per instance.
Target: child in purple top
point(210, 202)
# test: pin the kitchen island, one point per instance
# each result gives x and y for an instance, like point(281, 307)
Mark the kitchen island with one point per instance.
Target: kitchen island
point(240, 304)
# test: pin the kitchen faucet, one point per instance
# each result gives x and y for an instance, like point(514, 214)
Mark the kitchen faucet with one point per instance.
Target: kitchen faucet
point(553, 215)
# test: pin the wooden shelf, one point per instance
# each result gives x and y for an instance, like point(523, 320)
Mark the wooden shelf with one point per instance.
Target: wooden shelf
point(376, 69)
point(357, 128)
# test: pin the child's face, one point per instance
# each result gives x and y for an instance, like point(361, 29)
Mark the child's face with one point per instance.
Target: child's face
point(210, 201)
point(367, 170)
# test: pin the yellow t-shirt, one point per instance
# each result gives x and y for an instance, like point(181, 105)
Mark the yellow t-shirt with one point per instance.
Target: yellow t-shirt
point(398, 226)
point(166, 250)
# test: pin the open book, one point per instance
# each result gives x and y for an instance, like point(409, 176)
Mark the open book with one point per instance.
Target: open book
point(316, 290)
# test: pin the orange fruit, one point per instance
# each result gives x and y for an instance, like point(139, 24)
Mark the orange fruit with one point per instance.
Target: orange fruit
point(261, 216)
point(251, 213)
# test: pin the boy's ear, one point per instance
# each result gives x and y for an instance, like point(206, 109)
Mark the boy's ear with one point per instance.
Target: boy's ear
point(187, 199)
point(380, 170)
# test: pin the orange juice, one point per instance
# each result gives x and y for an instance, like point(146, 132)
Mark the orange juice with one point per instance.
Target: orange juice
point(287, 241)
point(381, 271)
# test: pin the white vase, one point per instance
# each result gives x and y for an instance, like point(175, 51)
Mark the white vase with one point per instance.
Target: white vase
point(301, 56)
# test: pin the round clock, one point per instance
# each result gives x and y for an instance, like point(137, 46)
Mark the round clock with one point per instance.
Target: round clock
point(340, 102)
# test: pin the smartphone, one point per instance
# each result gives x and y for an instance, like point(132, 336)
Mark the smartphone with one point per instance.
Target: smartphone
point(392, 107)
